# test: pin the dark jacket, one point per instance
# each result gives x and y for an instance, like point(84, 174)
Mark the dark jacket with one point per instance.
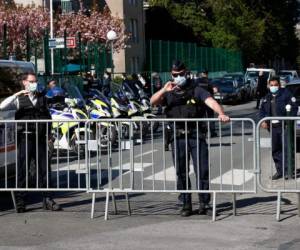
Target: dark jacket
point(261, 89)
point(283, 98)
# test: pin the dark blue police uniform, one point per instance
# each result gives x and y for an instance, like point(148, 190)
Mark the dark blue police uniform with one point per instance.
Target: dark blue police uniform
point(188, 102)
point(275, 105)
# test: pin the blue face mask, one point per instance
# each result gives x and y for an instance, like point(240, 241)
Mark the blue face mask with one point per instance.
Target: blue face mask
point(180, 80)
point(32, 87)
point(274, 89)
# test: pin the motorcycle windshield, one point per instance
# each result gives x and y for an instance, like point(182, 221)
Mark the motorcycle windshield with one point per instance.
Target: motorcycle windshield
point(74, 93)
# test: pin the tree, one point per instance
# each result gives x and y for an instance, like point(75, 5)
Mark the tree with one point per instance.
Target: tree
point(262, 29)
point(93, 28)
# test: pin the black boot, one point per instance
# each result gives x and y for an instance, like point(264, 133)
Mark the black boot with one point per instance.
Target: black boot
point(205, 209)
point(20, 202)
point(49, 204)
point(187, 206)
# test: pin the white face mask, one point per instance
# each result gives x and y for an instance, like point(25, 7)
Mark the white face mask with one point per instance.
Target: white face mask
point(274, 89)
point(180, 80)
point(32, 87)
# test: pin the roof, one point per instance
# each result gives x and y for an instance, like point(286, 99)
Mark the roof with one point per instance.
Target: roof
point(260, 69)
point(293, 82)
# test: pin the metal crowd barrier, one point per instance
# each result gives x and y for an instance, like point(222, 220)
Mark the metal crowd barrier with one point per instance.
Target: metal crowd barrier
point(42, 156)
point(281, 141)
point(137, 160)
point(127, 156)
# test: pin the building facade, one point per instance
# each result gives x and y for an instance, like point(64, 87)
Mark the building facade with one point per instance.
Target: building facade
point(130, 59)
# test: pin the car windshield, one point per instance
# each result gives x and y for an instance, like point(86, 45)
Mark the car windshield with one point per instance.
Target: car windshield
point(285, 73)
point(254, 74)
point(223, 83)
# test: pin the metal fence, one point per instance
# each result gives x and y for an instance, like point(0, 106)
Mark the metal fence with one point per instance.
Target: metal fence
point(135, 156)
point(42, 155)
point(84, 57)
point(160, 54)
point(281, 144)
point(128, 156)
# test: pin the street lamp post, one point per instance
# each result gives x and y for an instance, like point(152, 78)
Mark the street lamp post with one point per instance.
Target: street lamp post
point(111, 36)
point(51, 35)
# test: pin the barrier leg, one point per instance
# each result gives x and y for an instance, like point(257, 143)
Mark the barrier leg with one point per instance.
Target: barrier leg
point(114, 202)
point(214, 207)
point(93, 205)
point(14, 200)
point(128, 204)
point(298, 194)
point(234, 204)
point(278, 206)
point(106, 206)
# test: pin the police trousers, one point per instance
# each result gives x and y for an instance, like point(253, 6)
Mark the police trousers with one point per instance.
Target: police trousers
point(32, 165)
point(182, 150)
point(280, 158)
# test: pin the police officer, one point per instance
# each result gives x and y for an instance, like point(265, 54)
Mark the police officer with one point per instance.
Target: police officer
point(261, 89)
point(274, 104)
point(183, 99)
point(204, 83)
point(55, 95)
point(30, 104)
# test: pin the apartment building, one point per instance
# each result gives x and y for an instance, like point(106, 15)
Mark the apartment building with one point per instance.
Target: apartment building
point(131, 58)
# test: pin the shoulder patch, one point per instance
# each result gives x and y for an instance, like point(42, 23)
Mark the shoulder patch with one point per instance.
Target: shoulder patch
point(293, 99)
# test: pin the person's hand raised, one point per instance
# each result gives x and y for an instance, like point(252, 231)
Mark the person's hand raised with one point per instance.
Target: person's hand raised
point(169, 86)
point(22, 92)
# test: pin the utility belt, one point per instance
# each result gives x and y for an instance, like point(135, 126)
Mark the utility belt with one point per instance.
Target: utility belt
point(183, 133)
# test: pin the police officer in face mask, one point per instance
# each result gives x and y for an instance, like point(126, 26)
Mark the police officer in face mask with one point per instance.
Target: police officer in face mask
point(183, 99)
point(30, 104)
point(274, 104)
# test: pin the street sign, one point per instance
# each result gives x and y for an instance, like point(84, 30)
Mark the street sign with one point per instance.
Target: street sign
point(71, 42)
point(59, 43)
point(52, 43)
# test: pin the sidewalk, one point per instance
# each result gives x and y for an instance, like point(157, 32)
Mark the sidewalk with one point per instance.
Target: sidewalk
point(154, 224)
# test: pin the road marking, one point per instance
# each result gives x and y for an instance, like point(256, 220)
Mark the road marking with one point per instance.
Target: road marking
point(126, 167)
point(265, 142)
point(137, 166)
point(239, 175)
point(146, 153)
point(169, 173)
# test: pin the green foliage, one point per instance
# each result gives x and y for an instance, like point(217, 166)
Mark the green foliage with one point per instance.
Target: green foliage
point(262, 30)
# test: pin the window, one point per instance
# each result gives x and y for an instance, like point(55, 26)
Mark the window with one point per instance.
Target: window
point(133, 29)
point(133, 2)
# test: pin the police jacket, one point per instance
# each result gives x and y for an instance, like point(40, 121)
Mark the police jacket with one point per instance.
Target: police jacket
point(187, 102)
point(204, 83)
point(282, 98)
point(27, 111)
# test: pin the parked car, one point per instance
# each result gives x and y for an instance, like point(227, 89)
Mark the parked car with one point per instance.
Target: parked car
point(245, 88)
point(229, 90)
point(288, 75)
point(251, 77)
point(294, 87)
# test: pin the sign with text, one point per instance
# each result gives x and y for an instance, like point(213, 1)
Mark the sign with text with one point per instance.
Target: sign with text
point(59, 43)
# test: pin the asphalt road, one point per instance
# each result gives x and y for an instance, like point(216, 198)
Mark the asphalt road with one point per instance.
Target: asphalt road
point(155, 223)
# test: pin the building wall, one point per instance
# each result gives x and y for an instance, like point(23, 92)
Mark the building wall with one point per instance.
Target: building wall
point(131, 59)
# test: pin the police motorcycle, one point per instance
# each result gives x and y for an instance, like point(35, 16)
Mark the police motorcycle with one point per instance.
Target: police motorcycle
point(139, 99)
point(120, 109)
point(67, 132)
point(99, 107)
